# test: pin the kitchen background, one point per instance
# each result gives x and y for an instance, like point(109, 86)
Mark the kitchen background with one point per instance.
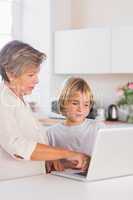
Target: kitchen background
point(36, 21)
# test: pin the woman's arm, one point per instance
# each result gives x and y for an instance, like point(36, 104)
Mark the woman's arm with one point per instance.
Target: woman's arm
point(45, 152)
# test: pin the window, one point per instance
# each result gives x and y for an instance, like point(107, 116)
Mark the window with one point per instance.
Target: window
point(11, 12)
point(5, 21)
point(10, 23)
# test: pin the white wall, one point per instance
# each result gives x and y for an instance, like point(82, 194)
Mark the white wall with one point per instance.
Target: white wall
point(87, 13)
point(36, 31)
point(79, 13)
point(42, 17)
point(103, 12)
point(61, 14)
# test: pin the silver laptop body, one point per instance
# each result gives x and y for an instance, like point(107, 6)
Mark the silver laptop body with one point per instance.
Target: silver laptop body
point(112, 156)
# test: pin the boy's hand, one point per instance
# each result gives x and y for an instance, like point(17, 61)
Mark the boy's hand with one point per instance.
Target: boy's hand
point(86, 163)
point(81, 161)
point(54, 165)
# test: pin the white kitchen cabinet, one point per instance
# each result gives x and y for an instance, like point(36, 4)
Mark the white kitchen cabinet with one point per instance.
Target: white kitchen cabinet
point(84, 51)
point(122, 50)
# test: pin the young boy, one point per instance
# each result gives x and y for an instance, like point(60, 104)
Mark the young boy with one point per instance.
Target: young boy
point(76, 132)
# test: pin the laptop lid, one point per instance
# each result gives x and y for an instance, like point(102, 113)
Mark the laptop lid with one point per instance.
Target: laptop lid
point(111, 157)
point(112, 153)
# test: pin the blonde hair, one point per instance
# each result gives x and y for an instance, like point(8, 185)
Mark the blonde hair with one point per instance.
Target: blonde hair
point(72, 85)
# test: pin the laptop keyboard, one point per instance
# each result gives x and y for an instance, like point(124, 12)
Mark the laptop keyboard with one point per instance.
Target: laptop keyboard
point(81, 173)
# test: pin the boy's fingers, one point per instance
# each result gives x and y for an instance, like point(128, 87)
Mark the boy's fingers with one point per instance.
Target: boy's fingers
point(58, 166)
point(48, 166)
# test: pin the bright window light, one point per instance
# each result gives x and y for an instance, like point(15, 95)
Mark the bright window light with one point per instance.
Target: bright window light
point(5, 16)
point(5, 21)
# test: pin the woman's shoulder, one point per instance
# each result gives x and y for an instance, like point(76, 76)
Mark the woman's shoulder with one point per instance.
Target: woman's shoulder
point(7, 97)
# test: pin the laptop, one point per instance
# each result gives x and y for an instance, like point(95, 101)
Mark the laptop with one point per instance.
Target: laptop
point(112, 156)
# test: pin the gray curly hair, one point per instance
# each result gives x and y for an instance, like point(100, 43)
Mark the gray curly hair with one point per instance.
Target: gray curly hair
point(16, 56)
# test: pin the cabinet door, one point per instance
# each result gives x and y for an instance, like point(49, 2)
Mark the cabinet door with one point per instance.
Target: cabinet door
point(122, 50)
point(83, 51)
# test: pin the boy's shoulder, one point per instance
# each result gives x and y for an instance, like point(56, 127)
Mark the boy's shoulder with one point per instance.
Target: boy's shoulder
point(55, 126)
point(90, 121)
point(95, 123)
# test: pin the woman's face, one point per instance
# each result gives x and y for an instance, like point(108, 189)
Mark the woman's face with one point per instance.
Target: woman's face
point(78, 108)
point(26, 82)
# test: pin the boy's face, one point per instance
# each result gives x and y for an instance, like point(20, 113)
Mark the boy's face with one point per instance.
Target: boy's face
point(77, 108)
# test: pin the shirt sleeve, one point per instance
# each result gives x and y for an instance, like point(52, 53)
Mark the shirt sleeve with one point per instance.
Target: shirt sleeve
point(11, 138)
point(53, 135)
point(100, 125)
point(49, 136)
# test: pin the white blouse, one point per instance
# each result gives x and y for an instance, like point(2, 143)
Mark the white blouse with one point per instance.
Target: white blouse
point(19, 130)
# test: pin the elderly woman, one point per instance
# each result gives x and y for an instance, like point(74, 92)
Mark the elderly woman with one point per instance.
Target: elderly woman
point(21, 138)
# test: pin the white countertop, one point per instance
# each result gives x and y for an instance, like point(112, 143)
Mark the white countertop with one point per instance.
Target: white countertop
point(50, 187)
